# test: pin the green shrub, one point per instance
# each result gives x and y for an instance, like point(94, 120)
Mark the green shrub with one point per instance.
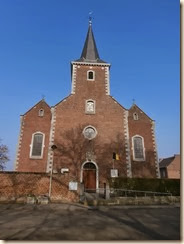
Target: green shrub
point(155, 185)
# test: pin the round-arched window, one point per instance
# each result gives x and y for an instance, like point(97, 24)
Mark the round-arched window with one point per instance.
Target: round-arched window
point(89, 132)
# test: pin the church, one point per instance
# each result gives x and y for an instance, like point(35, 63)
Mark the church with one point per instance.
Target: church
point(88, 134)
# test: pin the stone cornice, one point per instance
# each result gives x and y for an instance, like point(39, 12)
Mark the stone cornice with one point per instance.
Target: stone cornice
point(91, 64)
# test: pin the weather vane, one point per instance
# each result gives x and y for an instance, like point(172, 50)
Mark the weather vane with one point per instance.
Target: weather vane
point(133, 100)
point(90, 18)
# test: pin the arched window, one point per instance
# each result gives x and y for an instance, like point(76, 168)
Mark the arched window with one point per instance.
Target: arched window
point(41, 112)
point(90, 75)
point(90, 107)
point(37, 145)
point(135, 116)
point(138, 148)
point(89, 165)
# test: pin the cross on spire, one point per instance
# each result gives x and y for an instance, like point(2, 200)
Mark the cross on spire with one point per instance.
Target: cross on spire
point(43, 97)
point(90, 18)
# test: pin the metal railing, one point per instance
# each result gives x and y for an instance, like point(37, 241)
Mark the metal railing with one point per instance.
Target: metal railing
point(135, 193)
point(116, 192)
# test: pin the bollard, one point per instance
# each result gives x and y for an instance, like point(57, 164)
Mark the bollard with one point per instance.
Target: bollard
point(107, 192)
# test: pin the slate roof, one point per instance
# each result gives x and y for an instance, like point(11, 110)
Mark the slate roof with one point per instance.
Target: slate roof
point(90, 53)
point(165, 162)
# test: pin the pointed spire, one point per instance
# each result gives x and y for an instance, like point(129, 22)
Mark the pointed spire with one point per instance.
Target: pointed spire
point(90, 52)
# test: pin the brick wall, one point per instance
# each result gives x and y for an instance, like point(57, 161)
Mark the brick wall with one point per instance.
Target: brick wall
point(17, 184)
point(173, 170)
point(32, 123)
point(142, 127)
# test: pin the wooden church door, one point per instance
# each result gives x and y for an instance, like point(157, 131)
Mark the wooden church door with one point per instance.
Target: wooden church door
point(89, 177)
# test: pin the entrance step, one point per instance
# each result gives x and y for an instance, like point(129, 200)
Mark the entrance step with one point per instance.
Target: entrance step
point(91, 199)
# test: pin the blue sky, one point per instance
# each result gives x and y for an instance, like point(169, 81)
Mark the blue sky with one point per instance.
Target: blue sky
point(140, 39)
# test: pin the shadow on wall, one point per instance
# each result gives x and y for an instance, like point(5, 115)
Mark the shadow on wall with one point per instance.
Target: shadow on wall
point(145, 169)
point(73, 149)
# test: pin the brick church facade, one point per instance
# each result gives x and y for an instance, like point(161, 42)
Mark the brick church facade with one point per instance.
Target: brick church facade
point(79, 135)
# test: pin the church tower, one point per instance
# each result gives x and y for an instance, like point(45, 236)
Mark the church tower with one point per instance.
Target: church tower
point(89, 72)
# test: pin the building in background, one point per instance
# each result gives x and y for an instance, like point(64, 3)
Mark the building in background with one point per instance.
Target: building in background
point(170, 167)
point(82, 132)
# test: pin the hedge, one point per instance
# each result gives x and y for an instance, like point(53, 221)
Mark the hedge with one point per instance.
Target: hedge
point(140, 184)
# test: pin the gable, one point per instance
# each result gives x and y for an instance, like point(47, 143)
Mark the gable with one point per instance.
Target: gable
point(39, 105)
point(141, 114)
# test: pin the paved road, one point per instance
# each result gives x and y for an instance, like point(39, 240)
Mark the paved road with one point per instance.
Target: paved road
point(76, 222)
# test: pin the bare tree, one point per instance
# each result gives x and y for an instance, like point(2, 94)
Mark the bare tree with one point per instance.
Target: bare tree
point(71, 149)
point(3, 156)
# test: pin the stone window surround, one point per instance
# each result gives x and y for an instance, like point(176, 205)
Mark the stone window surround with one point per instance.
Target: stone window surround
point(135, 116)
point(31, 146)
point(41, 112)
point(138, 159)
point(90, 126)
point(93, 75)
point(90, 112)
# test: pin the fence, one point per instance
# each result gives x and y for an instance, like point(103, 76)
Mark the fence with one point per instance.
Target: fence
point(107, 193)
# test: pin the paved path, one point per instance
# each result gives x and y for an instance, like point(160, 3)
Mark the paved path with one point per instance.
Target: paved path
point(76, 222)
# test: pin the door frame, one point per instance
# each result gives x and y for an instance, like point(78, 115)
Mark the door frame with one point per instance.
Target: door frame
point(81, 175)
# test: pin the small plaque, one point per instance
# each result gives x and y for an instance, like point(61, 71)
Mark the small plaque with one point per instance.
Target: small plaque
point(114, 173)
point(73, 186)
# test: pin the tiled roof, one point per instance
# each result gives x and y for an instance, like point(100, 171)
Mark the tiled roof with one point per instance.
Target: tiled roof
point(165, 162)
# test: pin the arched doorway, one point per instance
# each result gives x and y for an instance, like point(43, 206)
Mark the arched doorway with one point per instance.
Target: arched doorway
point(89, 177)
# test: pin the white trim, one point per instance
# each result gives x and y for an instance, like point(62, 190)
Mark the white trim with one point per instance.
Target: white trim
point(31, 146)
point(90, 112)
point(155, 150)
point(127, 145)
point(16, 162)
point(51, 140)
point(74, 75)
point(137, 159)
point(97, 172)
point(107, 83)
point(91, 64)
point(92, 71)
